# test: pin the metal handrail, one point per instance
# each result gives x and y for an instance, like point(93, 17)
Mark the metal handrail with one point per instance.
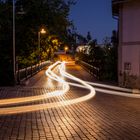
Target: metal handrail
point(28, 72)
point(91, 69)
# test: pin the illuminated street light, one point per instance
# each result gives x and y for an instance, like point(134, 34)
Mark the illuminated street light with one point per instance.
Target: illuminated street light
point(66, 48)
point(42, 31)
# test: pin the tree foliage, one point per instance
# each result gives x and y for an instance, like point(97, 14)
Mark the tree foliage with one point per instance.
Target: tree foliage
point(30, 17)
point(36, 13)
point(102, 57)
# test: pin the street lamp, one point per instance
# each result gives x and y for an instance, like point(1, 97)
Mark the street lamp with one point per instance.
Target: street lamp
point(14, 42)
point(42, 31)
point(66, 49)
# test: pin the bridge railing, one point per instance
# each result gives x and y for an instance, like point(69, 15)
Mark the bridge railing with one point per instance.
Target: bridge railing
point(28, 72)
point(91, 69)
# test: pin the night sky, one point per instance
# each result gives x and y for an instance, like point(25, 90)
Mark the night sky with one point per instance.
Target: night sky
point(94, 16)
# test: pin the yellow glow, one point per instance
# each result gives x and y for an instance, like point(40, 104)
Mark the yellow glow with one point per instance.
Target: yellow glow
point(43, 31)
point(66, 48)
point(55, 41)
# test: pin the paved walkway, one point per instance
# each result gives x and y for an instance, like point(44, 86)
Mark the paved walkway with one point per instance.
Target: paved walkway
point(104, 117)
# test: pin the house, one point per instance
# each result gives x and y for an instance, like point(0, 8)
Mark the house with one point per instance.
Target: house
point(127, 12)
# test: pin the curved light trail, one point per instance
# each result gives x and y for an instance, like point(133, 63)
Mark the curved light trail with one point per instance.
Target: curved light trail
point(112, 92)
point(40, 97)
point(60, 66)
point(65, 85)
point(31, 98)
point(109, 87)
point(112, 89)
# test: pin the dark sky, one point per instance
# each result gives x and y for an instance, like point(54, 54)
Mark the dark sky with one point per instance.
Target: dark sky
point(94, 16)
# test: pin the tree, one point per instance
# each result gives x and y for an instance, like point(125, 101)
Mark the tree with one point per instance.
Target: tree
point(6, 42)
point(81, 39)
point(114, 41)
point(110, 59)
point(96, 54)
point(37, 13)
point(88, 37)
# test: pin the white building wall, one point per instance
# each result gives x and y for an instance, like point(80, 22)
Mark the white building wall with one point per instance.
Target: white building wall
point(131, 54)
point(131, 22)
point(130, 37)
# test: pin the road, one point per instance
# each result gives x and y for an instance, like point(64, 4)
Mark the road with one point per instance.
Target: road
point(48, 117)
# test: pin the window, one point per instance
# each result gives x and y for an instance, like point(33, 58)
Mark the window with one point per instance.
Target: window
point(127, 66)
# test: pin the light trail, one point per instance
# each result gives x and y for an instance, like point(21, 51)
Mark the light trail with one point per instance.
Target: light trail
point(49, 73)
point(90, 95)
point(112, 91)
point(40, 97)
point(65, 88)
point(109, 87)
point(118, 93)
point(53, 76)
point(31, 98)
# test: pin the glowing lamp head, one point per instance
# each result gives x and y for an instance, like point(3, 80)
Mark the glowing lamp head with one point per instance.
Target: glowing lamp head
point(66, 48)
point(42, 31)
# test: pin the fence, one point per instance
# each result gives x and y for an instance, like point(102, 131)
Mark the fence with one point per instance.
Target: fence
point(91, 69)
point(28, 72)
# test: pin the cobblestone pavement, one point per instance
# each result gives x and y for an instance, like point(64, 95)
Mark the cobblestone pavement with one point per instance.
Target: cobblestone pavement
point(104, 117)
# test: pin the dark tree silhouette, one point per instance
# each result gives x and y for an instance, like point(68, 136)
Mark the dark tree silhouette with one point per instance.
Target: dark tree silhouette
point(89, 36)
point(51, 14)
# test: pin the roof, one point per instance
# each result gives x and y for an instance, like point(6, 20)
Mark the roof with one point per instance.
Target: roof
point(115, 6)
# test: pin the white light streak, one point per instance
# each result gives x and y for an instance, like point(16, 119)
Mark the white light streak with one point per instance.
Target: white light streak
point(109, 87)
point(39, 97)
point(118, 93)
point(65, 85)
point(65, 88)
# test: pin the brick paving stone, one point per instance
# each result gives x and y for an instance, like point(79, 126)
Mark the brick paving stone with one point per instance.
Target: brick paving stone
point(105, 117)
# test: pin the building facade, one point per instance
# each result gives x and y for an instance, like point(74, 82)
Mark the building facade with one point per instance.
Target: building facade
point(127, 12)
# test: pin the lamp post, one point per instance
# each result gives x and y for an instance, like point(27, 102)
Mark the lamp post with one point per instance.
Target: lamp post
point(21, 12)
point(42, 31)
point(14, 57)
point(66, 49)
